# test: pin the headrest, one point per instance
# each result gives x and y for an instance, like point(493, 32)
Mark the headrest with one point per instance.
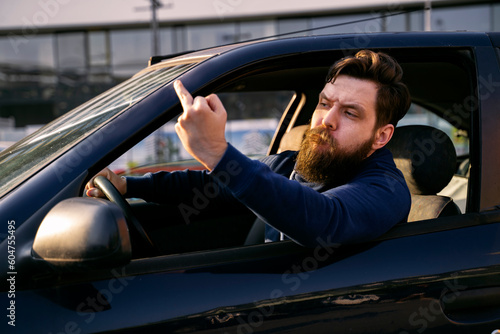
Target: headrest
point(425, 155)
point(291, 140)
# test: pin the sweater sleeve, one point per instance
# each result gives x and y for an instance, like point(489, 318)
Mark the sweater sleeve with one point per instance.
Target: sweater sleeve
point(192, 192)
point(361, 210)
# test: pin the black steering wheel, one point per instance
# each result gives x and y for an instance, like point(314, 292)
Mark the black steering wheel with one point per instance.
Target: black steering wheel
point(137, 233)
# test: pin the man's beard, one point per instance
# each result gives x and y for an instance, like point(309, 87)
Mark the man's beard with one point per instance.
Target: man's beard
point(320, 160)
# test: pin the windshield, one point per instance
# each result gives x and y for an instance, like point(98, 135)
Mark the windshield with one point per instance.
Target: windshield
point(34, 152)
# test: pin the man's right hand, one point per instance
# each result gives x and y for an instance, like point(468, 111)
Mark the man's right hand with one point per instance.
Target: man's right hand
point(119, 183)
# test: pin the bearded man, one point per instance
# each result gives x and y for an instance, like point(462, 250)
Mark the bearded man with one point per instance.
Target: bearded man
point(342, 186)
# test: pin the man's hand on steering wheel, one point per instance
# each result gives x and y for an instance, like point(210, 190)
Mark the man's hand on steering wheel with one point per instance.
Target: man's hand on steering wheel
point(109, 185)
point(119, 183)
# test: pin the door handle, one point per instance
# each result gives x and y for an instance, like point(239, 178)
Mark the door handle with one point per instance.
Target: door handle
point(472, 306)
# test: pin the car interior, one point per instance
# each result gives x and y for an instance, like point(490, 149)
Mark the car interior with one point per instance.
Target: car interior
point(433, 160)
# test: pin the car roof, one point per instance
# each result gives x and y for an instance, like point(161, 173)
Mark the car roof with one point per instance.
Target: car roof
point(344, 41)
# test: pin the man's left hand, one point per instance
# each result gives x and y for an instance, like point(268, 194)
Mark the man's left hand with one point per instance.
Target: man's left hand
point(201, 127)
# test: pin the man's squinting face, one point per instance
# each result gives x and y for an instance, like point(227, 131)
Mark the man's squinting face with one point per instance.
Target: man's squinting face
point(342, 131)
point(347, 109)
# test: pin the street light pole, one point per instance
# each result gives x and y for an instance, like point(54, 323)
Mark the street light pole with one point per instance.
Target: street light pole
point(155, 4)
point(427, 15)
point(155, 30)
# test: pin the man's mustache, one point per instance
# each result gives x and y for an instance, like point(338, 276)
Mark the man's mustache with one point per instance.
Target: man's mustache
point(320, 135)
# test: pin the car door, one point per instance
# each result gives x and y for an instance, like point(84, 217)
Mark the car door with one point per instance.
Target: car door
point(410, 281)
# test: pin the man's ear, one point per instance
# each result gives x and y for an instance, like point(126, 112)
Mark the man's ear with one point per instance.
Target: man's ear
point(382, 136)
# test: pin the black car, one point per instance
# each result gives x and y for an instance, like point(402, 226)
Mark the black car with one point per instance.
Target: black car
point(73, 264)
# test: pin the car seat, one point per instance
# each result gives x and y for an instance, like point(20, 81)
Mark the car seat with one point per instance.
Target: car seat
point(291, 139)
point(428, 160)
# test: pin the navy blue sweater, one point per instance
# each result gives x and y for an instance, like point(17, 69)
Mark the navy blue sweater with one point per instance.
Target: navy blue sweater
point(372, 202)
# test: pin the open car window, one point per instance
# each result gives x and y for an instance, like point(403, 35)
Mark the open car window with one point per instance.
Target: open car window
point(418, 115)
point(258, 120)
point(252, 121)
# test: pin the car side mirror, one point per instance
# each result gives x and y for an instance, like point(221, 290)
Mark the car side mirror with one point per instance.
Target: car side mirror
point(83, 233)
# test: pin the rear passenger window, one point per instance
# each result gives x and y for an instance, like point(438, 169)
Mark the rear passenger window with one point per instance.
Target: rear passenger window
point(421, 116)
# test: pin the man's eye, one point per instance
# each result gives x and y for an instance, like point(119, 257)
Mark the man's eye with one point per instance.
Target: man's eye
point(323, 105)
point(350, 113)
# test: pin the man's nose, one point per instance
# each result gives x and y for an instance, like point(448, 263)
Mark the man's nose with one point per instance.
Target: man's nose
point(331, 118)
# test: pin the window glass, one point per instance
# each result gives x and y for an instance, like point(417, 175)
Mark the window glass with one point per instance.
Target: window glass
point(71, 52)
point(291, 25)
point(373, 25)
point(126, 63)
point(99, 61)
point(413, 21)
point(495, 15)
point(251, 30)
point(252, 119)
point(34, 152)
point(205, 36)
point(396, 22)
point(418, 115)
point(461, 18)
point(24, 52)
point(416, 21)
point(457, 187)
point(98, 49)
point(179, 43)
point(166, 45)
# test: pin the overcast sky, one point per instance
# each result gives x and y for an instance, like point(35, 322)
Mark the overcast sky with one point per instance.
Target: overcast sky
point(50, 13)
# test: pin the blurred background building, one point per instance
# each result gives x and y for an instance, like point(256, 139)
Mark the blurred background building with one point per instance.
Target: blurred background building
point(57, 54)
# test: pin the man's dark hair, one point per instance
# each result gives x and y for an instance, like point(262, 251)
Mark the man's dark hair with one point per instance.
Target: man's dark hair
point(393, 97)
